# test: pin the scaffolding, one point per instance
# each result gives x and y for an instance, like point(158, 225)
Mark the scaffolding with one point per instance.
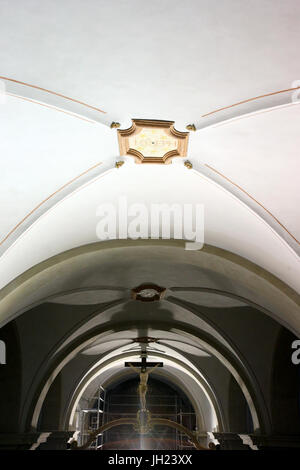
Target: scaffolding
point(101, 410)
point(91, 418)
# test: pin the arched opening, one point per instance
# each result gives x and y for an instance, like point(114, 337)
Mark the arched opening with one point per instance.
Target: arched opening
point(121, 400)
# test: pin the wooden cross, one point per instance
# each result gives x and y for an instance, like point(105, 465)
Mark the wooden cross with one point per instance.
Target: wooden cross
point(144, 364)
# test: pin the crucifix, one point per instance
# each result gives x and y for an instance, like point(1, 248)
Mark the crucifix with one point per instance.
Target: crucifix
point(144, 375)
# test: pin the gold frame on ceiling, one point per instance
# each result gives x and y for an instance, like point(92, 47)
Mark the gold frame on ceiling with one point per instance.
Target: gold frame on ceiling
point(137, 126)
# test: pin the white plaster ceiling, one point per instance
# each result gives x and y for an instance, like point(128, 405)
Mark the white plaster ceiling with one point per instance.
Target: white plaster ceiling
point(41, 150)
point(259, 152)
point(161, 60)
point(158, 60)
point(229, 224)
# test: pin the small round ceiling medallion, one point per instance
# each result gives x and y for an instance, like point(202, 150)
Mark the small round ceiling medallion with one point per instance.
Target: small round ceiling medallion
point(148, 292)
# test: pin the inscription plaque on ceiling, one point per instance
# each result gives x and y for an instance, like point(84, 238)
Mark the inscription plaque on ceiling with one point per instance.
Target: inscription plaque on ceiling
point(151, 141)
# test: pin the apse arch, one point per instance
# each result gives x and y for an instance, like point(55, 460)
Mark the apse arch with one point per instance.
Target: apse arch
point(251, 392)
point(91, 256)
point(202, 391)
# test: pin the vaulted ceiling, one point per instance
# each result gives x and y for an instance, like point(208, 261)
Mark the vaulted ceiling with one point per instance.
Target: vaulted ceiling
point(66, 72)
point(130, 62)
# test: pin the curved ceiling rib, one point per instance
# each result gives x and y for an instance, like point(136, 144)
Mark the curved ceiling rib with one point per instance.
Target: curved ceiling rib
point(256, 201)
point(251, 99)
point(263, 289)
point(7, 79)
point(50, 201)
point(77, 301)
point(82, 205)
point(230, 364)
point(253, 204)
point(54, 108)
point(185, 366)
point(66, 154)
point(77, 342)
point(217, 56)
point(91, 173)
point(22, 84)
point(255, 158)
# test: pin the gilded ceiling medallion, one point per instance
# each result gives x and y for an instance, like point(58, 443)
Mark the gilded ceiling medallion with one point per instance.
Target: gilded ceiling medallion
point(151, 141)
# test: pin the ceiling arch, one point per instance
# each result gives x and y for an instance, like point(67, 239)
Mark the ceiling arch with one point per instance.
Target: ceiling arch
point(238, 216)
point(45, 279)
point(232, 363)
point(51, 235)
point(178, 372)
point(64, 86)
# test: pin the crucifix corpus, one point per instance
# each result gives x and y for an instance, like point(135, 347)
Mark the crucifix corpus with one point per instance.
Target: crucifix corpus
point(144, 375)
